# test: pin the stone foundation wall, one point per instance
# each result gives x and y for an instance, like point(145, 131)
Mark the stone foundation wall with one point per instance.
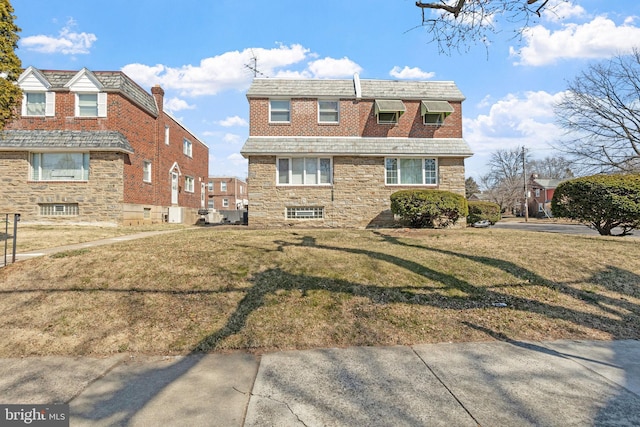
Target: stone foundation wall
point(358, 197)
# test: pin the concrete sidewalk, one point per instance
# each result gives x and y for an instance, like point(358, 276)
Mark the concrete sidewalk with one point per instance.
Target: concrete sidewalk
point(559, 383)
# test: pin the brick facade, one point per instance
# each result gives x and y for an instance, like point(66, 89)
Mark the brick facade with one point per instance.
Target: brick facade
point(235, 194)
point(357, 145)
point(115, 192)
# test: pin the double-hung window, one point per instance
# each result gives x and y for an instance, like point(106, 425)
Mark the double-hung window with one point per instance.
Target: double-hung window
point(223, 186)
point(279, 111)
point(59, 166)
point(328, 112)
point(304, 170)
point(187, 147)
point(189, 184)
point(35, 103)
point(411, 171)
point(146, 171)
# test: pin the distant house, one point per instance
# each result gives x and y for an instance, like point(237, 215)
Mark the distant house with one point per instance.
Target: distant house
point(94, 147)
point(227, 193)
point(329, 153)
point(541, 192)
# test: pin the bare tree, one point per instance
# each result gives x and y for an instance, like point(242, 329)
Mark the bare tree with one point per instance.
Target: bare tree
point(601, 114)
point(504, 184)
point(556, 167)
point(455, 24)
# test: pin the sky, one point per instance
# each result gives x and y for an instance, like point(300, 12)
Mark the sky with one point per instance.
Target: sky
point(205, 53)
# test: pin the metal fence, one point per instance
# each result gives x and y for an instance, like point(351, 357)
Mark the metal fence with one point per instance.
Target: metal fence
point(6, 238)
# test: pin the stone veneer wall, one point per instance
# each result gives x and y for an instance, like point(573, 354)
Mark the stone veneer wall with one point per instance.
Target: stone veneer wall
point(99, 199)
point(358, 197)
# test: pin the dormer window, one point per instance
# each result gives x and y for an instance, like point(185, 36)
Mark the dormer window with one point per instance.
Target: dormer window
point(389, 111)
point(37, 100)
point(434, 112)
point(35, 103)
point(90, 101)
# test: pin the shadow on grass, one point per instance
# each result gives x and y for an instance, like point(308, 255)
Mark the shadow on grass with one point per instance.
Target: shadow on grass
point(136, 392)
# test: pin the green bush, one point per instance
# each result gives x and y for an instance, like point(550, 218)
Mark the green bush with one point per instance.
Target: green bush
point(479, 211)
point(603, 202)
point(428, 208)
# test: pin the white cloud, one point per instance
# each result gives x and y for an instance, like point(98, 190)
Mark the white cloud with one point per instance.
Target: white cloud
point(231, 138)
point(514, 121)
point(233, 121)
point(67, 42)
point(600, 38)
point(235, 70)
point(230, 70)
point(237, 159)
point(410, 73)
point(333, 68)
point(177, 104)
point(559, 10)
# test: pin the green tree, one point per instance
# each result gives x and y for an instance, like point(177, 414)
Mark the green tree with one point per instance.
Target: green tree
point(429, 208)
point(603, 202)
point(10, 64)
point(471, 187)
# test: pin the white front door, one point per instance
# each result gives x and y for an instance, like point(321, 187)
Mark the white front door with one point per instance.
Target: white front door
point(203, 189)
point(174, 188)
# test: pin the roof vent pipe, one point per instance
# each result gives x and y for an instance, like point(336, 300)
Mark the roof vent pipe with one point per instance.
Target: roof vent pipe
point(356, 85)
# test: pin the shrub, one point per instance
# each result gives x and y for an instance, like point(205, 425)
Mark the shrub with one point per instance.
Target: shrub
point(428, 208)
point(603, 202)
point(479, 211)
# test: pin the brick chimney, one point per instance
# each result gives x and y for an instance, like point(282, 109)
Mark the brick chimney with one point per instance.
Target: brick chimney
point(158, 95)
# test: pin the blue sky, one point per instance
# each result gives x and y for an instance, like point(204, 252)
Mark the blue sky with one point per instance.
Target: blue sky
point(199, 52)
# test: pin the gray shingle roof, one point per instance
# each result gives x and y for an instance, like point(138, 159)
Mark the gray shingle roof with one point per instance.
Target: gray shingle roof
point(22, 140)
point(113, 81)
point(440, 147)
point(371, 89)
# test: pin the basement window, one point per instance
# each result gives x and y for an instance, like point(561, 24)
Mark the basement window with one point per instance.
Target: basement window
point(58, 209)
point(309, 212)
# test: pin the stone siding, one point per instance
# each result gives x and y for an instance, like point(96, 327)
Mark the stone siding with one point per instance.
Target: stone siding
point(99, 199)
point(358, 197)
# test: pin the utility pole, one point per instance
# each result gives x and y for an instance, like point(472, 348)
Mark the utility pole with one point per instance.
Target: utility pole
point(526, 194)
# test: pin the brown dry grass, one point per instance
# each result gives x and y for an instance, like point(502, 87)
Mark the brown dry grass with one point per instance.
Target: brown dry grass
point(220, 289)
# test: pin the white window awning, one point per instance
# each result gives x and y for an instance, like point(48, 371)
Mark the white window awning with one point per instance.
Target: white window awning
point(436, 107)
point(390, 106)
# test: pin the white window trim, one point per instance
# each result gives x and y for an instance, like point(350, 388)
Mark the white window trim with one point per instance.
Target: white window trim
point(280, 121)
point(144, 164)
point(85, 172)
point(395, 122)
point(101, 100)
point(225, 203)
point(166, 135)
point(49, 104)
point(424, 172)
point(337, 111)
point(189, 184)
point(223, 186)
point(439, 122)
point(319, 184)
point(187, 148)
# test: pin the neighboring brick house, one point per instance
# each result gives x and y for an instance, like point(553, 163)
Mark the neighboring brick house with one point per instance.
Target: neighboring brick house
point(329, 153)
point(227, 193)
point(541, 192)
point(94, 147)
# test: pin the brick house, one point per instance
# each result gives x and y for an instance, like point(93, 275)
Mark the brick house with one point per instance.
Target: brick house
point(329, 153)
point(226, 193)
point(94, 147)
point(541, 192)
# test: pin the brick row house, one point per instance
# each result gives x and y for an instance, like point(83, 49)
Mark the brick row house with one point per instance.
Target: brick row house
point(94, 147)
point(227, 193)
point(329, 153)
